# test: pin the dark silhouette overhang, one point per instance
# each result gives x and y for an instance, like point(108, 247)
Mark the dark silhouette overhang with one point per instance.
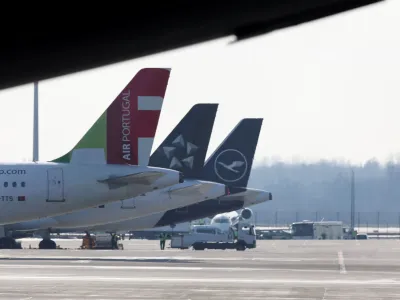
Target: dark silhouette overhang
point(56, 42)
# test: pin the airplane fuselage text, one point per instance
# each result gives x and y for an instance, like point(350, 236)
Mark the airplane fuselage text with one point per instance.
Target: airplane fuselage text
point(126, 125)
point(13, 172)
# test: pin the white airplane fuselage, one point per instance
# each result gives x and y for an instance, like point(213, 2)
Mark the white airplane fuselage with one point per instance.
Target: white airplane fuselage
point(189, 192)
point(149, 222)
point(36, 190)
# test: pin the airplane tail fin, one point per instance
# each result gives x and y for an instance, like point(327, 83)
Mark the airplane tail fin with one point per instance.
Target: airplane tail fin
point(232, 162)
point(125, 132)
point(185, 148)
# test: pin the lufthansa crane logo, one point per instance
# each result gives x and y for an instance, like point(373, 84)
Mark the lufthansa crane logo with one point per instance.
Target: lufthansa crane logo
point(230, 165)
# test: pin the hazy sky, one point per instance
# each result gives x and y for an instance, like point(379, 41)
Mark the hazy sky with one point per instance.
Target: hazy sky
point(326, 89)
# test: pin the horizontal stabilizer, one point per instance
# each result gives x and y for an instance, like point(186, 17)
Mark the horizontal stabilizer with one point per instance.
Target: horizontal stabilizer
point(144, 178)
point(191, 190)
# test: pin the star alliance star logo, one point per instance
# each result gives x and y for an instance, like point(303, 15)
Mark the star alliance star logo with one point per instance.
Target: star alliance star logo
point(181, 153)
point(230, 165)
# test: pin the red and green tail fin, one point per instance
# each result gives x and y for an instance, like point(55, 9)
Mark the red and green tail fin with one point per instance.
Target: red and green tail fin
point(125, 132)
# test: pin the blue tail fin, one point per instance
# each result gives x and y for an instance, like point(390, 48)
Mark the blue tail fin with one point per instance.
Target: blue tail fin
point(231, 163)
point(185, 148)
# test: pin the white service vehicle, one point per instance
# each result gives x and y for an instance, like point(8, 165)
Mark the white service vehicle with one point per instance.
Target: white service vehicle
point(328, 230)
point(323, 230)
point(210, 237)
point(101, 240)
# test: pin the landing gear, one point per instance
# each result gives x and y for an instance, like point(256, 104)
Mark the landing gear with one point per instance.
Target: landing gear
point(47, 244)
point(9, 243)
point(241, 246)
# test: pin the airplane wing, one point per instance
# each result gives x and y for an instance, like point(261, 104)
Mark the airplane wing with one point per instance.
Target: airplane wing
point(143, 178)
point(187, 191)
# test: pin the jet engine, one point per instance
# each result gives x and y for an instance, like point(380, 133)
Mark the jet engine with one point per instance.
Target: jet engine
point(246, 213)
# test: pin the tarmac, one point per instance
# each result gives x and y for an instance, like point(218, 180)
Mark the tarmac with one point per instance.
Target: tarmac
point(276, 269)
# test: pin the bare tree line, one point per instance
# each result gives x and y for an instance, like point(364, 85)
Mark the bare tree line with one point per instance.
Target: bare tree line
point(322, 189)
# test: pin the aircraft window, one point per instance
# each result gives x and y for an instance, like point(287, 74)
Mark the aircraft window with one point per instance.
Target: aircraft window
point(5, 184)
point(23, 183)
point(14, 184)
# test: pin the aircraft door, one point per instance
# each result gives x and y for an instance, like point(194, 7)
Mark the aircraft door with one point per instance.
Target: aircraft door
point(55, 185)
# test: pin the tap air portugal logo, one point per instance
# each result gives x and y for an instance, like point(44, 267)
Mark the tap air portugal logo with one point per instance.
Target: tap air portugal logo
point(124, 133)
point(180, 154)
point(230, 165)
point(132, 119)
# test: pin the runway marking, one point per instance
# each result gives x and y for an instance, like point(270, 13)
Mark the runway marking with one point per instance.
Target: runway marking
point(173, 268)
point(152, 279)
point(342, 266)
point(270, 259)
point(141, 258)
point(180, 258)
point(324, 295)
point(81, 261)
point(169, 268)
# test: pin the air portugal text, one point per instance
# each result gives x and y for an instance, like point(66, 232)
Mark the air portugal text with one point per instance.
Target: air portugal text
point(126, 125)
